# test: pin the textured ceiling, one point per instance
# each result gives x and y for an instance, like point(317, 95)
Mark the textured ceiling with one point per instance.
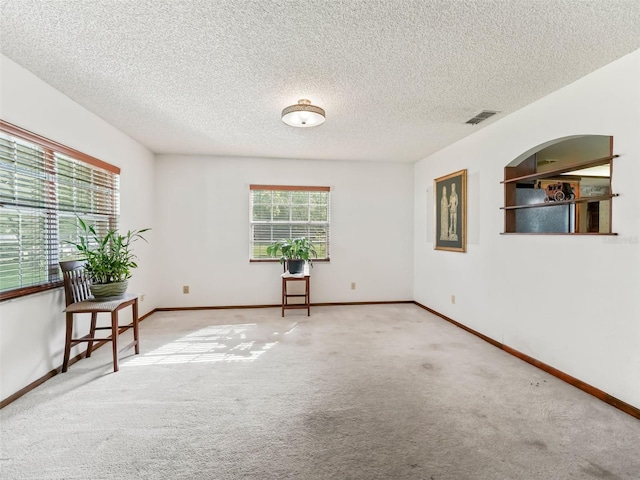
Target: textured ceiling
point(398, 78)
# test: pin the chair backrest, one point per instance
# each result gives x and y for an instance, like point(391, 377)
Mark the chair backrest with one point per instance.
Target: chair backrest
point(76, 281)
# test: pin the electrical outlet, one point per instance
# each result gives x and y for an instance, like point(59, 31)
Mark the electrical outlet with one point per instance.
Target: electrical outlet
point(453, 299)
point(142, 297)
point(353, 285)
point(185, 289)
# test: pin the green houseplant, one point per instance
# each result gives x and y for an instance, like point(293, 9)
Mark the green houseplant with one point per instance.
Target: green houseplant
point(295, 251)
point(108, 258)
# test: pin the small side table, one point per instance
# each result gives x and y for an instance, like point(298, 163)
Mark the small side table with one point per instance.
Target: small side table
point(296, 277)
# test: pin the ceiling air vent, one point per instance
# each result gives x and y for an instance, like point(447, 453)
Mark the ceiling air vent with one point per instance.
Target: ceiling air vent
point(482, 116)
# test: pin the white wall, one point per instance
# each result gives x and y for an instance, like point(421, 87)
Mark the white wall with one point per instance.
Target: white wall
point(203, 230)
point(585, 325)
point(585, 319)
point(32, 327)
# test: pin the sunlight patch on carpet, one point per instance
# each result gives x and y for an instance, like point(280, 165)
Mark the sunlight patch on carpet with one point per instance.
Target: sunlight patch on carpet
point(215, 343)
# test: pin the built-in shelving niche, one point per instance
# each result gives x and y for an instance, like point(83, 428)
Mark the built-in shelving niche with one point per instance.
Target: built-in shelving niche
point(561, 187)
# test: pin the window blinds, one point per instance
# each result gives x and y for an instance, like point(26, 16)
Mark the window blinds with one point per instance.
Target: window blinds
point(279, 212)
point(43, 189)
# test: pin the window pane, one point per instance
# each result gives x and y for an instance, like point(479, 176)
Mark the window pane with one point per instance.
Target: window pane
point(281, 198)
point(262, 232)
point(300, 213)
point(318, 198)
point(281, 213)
point(23, 257)
point(300, 198)
point(22, 173)
point(10, 252)
point(281, 231)
point(300, 231)
point(318, 234)
point(261, 212)
point(260, 250)
point(318, 213)
point(262, 196)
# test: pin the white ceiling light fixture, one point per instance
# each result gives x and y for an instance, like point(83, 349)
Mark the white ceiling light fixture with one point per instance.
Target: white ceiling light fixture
point(303, 115)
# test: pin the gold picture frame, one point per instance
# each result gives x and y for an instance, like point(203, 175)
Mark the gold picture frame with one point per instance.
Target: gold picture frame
point(450, 199)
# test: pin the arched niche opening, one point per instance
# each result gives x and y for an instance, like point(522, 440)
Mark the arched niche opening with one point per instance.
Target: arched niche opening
point(562, 186)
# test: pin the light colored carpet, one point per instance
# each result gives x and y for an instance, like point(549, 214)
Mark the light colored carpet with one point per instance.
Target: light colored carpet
point(352, 392)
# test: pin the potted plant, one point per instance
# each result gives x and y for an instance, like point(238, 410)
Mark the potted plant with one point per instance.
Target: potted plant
point(108, 258)
point(295, 251)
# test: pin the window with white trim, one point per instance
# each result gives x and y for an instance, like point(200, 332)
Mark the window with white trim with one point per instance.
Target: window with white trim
point(278, 212)
point(44, 188)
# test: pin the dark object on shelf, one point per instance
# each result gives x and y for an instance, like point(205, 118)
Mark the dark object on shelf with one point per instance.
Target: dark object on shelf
point(557, 192)
point(295, 266)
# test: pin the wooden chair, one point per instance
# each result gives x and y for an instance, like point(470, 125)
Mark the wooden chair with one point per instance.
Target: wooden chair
point(79, 300)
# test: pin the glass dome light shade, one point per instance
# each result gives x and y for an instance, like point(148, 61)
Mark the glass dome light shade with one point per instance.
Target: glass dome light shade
point(303, 115)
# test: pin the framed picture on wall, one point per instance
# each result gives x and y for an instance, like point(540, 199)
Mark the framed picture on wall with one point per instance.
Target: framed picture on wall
point(451, 212)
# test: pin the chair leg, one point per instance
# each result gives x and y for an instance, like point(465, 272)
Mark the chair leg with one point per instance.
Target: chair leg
point(114, 338)
point(92, 332)
point(284, 294)
point(67, 343)
point(308, 296)
point(135, 326)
